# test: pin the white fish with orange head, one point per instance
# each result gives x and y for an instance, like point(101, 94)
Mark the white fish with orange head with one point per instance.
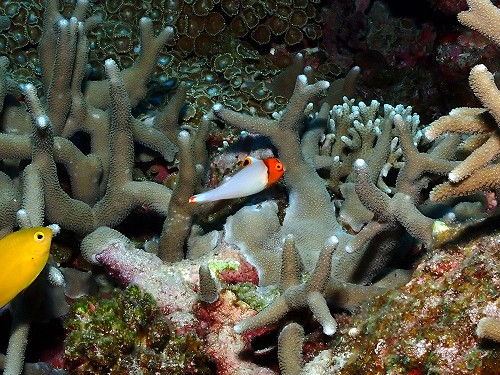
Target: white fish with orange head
point(255, 176)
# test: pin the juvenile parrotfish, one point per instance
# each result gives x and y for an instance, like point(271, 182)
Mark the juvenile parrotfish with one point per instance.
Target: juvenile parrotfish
point(23, 255)
point(255, 176)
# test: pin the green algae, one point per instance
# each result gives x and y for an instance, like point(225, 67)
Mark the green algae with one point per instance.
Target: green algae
point(126, 333)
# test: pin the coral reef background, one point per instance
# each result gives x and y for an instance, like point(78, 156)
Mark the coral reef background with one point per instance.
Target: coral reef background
point(376, 253)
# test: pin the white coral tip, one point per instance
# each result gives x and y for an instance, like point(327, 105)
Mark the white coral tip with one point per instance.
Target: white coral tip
point(324, 84)
point(428, 134)
point(453, 177)
point(55, 229)
point(63, 23)
point(332, 241)
point(348, 249)
point(238, 328)
point(27, 87)
point(109, 62)
point(183, 134)
point(42, 122)
point(359, 163)
point(56, 278)
point(330, 327)
point(480, 67)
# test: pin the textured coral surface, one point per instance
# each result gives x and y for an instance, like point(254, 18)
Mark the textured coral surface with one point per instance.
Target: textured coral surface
point(428, 325)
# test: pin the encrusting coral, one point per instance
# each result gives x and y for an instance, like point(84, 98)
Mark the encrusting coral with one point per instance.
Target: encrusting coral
point(356, 177)
point(310, 216)
point(429, 324)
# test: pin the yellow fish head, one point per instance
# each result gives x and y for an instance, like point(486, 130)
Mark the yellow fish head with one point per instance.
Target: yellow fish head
point(23, 254)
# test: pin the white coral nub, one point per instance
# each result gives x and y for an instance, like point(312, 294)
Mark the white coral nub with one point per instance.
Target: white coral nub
point(359, 164)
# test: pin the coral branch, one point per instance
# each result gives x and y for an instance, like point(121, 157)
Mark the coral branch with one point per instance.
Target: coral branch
point(482, 16)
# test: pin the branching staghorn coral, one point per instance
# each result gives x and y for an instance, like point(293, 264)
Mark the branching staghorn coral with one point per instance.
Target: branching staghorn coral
point(290, 341)
point(102, 189)
point(294, 294)
point(379, 145)
point(479, 171)
point(44, 299)
point(193, 158)
point(71, 113)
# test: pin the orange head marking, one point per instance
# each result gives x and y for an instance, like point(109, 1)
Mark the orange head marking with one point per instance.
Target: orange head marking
point(275, 170)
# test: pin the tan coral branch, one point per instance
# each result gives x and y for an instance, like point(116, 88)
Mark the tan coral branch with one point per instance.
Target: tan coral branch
point(463, 120)
point(482, 16)
point(483, 84)
point(485, 179)
point(478, 159)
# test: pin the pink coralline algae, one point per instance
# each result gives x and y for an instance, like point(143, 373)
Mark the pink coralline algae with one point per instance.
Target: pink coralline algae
point(429, 324)
point(457, 53)
point(175, 286)
point(246, 273)
point(223, 345)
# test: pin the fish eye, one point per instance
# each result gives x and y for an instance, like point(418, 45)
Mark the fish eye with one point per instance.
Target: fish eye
point(246, 162)
point(38, 236)
point(279, 167)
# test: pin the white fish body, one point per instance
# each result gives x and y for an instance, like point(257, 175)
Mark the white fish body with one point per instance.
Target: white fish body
point(250, 180)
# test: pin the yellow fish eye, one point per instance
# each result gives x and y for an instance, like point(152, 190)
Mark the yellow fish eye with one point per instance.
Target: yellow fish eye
point(38, 236)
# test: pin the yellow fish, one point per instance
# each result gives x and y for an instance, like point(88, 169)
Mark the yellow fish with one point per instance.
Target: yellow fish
point(23, 255)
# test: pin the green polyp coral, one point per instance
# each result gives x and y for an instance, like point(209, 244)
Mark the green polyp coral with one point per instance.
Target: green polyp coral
point(256, 298)
point(128, 332)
